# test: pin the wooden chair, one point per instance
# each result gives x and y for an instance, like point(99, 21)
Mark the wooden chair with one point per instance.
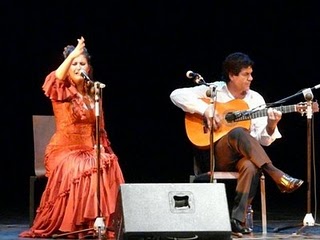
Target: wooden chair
point(43, 129)
point(234, 175)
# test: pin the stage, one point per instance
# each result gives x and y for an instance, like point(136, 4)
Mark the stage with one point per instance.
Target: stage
point(13, 222)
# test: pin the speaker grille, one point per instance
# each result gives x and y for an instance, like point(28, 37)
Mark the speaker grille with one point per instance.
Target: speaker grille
point(191, 211)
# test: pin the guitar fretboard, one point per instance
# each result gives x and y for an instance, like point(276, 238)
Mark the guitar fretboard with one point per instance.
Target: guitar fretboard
point(246, 115)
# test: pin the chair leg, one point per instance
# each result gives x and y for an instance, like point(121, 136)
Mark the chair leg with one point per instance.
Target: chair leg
point(31, 199)
point(263, 204)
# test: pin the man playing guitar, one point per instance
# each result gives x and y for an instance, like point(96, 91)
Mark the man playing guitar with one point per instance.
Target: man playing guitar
point(237, 147)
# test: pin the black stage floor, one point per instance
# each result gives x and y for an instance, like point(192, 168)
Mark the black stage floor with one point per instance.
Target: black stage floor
point(13, 221)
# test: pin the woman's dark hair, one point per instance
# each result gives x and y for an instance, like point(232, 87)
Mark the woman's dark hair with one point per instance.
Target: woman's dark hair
point(234, 63)
point(67, 50)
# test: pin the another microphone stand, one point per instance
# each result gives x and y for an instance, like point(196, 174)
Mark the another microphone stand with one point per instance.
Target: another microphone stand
point(308, 219)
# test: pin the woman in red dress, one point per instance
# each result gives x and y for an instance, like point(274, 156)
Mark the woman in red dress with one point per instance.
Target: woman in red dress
point(70, 201)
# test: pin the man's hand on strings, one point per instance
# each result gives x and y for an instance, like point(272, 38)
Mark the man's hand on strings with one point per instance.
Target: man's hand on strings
point(274, 116)
point(212, 118)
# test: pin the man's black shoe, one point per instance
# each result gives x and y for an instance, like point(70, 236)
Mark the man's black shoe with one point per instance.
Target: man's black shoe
point(289, 184)
point(236, 227)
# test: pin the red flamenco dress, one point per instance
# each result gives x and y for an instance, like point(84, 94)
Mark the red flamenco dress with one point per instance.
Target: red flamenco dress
point(69, 202)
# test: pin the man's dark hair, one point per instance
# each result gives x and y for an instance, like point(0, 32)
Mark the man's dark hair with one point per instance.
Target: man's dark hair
point(234, 63)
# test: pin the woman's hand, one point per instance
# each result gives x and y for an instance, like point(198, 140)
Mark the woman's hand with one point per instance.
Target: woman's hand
point(78, 50)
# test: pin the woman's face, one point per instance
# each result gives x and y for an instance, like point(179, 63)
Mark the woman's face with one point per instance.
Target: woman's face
point(78, 63)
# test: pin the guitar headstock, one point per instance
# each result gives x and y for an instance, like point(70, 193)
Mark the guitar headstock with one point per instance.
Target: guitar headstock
point(303, 107)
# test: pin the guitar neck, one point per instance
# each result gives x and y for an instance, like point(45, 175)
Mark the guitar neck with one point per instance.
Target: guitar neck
point(247, 115)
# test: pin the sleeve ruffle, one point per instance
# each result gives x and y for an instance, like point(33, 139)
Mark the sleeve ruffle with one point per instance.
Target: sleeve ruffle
point(56, 89)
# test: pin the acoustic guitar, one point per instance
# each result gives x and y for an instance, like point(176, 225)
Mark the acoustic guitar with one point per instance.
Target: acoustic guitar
point(234, 114)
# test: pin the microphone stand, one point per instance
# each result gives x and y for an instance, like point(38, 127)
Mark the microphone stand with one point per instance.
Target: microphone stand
point(308, 219)
point(99, 225)
point(212, 94)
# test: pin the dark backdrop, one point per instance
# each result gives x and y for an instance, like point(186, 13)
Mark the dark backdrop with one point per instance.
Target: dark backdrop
point(142, 50)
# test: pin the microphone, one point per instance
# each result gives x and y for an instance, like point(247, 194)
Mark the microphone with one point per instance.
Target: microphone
point(85, 75)
point(191, 74)
point(196, 76)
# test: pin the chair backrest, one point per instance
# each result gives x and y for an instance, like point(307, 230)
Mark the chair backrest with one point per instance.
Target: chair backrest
point(43, 129)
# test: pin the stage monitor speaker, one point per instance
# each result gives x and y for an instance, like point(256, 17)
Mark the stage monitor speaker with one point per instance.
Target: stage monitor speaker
point(172, 211)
